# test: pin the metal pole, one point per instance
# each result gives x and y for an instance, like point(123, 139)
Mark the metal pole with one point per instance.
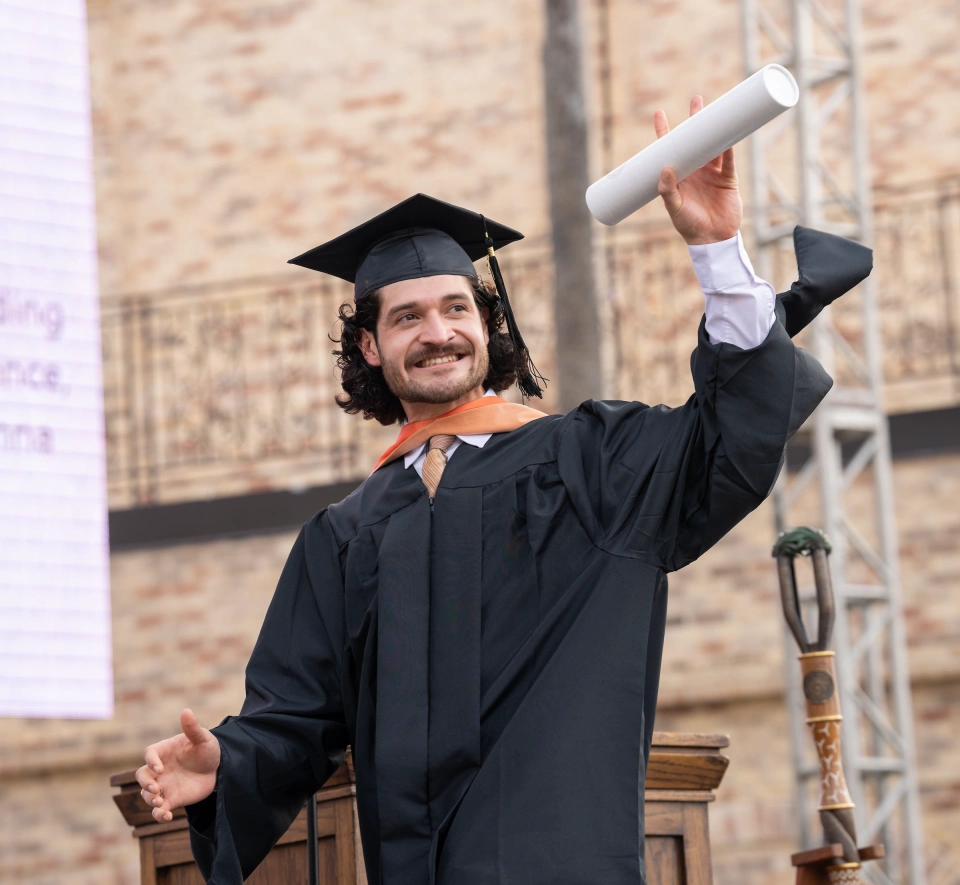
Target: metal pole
point(313, 854)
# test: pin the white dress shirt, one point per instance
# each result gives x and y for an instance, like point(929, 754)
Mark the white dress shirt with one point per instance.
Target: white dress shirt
point(738, 305)
point(417, 456)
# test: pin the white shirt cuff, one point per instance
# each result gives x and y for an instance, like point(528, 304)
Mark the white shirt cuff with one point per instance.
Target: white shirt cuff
point(739, 306)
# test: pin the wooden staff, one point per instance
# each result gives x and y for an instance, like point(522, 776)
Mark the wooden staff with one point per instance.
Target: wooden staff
point(822, 699)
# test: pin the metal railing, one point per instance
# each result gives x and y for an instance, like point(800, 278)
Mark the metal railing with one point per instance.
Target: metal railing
point(918, 266)
point(209, 391)
point(227, 389)
point(654, 302)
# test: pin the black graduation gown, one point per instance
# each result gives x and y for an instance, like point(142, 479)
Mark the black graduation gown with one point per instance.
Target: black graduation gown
point(494, 664)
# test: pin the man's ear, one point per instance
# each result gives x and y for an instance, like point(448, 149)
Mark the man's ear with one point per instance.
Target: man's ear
point(368, 347)
point(485, 316)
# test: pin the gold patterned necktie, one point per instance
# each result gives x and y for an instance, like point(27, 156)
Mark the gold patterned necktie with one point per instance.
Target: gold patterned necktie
point(436, 460)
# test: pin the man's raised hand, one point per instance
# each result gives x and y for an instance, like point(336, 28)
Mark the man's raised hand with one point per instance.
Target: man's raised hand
point(181, 770)
point(705, 207)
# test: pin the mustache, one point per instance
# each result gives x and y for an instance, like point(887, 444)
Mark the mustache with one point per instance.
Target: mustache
point(431, 353)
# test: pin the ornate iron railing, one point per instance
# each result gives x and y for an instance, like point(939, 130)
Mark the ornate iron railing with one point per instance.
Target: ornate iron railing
point(227, 389)
point(654, 302)
point(212, 391)
point(918, 263)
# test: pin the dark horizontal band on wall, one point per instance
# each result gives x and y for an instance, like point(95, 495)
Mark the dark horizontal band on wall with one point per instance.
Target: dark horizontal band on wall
point(925, 433)
point(220, 517)
point(911, 435)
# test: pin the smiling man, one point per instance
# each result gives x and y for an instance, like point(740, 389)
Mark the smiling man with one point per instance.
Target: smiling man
point(431, 344)
point(482, 619)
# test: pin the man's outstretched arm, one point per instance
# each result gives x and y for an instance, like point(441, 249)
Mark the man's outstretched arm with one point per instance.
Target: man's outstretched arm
point(663, 485)
point(244, 781)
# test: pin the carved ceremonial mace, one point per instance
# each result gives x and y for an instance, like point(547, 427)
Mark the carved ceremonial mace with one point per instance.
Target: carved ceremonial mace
point(839, 861)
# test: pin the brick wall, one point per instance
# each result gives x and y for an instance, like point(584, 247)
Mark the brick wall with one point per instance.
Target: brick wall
point(61, 829)
point(662, 51)
point(233, 134)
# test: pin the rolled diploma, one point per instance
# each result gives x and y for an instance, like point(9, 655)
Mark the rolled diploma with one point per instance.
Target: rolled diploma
point(697, 140)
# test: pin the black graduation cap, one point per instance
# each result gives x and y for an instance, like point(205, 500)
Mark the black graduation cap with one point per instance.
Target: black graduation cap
point(423, 237)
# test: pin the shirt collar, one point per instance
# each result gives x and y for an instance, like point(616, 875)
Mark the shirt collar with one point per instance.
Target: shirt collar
point(473, 439)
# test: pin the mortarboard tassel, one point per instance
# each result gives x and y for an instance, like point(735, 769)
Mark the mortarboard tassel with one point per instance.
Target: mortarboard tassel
point(529, 379)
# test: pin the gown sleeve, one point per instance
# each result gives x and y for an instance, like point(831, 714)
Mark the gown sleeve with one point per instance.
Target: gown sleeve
point(290, 735)
point(665, 484)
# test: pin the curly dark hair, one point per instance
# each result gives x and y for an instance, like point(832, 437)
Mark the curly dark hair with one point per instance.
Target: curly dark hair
point(365, 387)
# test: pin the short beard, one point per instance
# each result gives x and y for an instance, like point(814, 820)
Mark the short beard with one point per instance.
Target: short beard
point(438, 392)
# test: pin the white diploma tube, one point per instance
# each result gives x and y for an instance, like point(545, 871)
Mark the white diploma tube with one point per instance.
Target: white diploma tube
point(695, 142)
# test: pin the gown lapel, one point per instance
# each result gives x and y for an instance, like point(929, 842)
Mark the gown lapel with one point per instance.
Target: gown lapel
point(401, 754)
point(427, 744)
point(454, 668)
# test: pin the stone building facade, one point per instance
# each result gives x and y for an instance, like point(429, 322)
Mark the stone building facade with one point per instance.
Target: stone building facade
point(233, 134)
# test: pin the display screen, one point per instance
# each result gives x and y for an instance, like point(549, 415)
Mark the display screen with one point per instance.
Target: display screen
point(55, 645)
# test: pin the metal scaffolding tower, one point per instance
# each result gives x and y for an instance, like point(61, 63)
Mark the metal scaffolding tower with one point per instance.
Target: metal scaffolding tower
point(820, 178)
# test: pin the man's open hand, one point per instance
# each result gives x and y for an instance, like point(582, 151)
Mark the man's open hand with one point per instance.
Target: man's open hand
point(705, 207)
point(181, 770)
